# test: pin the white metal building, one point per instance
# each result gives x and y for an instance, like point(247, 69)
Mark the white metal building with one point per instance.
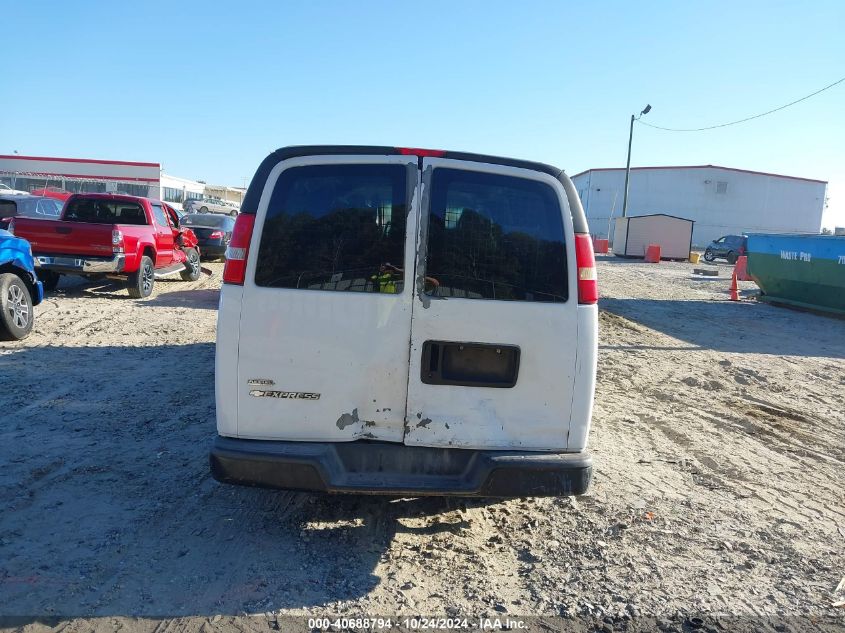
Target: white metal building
point(720, 200)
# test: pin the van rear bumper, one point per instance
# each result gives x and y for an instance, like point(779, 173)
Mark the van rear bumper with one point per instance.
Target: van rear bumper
point(366, 467)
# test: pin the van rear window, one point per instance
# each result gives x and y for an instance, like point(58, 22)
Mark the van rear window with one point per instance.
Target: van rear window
point(336, 228)
point(495, 237)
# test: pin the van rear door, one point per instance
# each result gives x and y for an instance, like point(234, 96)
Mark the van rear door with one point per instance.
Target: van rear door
point(494, 328)
point(326, 309)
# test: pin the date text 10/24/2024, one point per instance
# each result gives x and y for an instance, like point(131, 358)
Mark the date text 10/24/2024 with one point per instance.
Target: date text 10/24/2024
point(418, 624)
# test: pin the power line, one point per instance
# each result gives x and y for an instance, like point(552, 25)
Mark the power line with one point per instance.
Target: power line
point(756, 116)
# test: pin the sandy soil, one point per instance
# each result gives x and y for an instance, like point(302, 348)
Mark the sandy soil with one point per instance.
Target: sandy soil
point(719, 444)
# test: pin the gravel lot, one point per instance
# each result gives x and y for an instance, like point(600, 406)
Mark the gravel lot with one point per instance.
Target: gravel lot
point(719, 444)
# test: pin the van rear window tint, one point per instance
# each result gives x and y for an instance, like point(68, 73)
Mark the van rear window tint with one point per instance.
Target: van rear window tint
point(335, 227)
point(495, 237)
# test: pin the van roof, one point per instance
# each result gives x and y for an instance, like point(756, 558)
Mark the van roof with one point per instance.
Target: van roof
point(256, 186)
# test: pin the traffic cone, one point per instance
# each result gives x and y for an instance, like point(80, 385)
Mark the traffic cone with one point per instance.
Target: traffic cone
point(734, 288)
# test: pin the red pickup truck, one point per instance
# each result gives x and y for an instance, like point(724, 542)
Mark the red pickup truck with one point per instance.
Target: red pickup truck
point(111, 235)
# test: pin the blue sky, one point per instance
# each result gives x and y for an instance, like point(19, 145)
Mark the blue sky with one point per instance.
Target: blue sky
point(208, 88)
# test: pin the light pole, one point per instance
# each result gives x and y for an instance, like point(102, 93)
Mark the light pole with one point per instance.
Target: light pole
point(646, 110)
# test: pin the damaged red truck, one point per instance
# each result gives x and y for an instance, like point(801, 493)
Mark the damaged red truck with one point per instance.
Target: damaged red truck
point(111, 235)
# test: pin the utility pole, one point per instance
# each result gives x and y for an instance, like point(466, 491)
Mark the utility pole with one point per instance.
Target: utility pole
point(646, 110)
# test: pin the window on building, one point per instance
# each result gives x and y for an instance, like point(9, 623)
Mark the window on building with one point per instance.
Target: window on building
point(335, 227)
point(495, 237)
point(23, 183)
point(721, 187)
point(85, 186)
point(171, 194)
point(133, 190)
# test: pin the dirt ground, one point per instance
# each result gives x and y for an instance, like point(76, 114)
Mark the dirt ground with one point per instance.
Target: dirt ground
point(719, 446)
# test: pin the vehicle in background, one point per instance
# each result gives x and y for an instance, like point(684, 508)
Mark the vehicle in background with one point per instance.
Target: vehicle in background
point(213, 232)
point(211, 205)
point(729, 247)
point(6, 190)
point(52, 192)
point(27, 206)
point(407, 322)
point(20, 290)
point(114, 235)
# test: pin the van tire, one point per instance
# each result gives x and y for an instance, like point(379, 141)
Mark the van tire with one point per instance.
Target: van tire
point(192, 270)
point(141, 282)
point(16, 310)
point(49, 280)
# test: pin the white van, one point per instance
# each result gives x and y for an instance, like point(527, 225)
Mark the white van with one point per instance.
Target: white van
point(407, 322)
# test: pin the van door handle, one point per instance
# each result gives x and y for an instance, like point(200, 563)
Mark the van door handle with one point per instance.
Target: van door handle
point(64, 230)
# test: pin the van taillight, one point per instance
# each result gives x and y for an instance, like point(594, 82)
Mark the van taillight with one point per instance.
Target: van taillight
point(588, 287)
point(238, 250)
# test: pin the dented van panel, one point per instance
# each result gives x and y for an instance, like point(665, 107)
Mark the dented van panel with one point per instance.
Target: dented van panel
point(533, 414)
point(350, 347)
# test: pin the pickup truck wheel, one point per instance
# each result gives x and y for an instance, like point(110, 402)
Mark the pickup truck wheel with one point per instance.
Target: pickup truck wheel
point(141, 282)
point(16, 314)
point(192, 266)
point(49, 280)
